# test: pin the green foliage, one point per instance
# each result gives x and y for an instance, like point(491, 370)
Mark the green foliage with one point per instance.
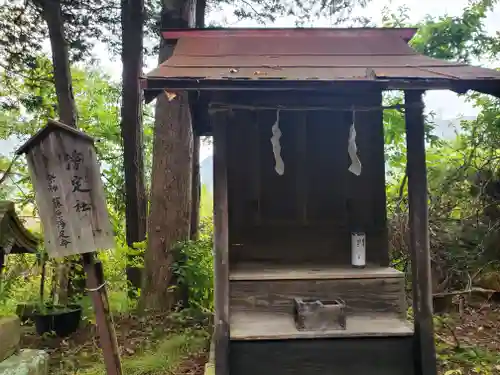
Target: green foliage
point(460, 38)
point(304, 11)
point(194, 268)
point(463, 216)
point(457, 38)
point(23, 29)
point(206, 203)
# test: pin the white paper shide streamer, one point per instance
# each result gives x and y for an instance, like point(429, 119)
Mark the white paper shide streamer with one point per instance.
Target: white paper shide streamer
point(275, 141)
point(352, 149)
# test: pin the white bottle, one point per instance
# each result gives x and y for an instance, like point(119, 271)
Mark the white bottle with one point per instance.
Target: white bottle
point(358, 249)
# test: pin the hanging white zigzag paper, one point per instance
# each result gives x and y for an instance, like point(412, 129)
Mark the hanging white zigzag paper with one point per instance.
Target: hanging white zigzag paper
point(355, 166)
point(275, 141)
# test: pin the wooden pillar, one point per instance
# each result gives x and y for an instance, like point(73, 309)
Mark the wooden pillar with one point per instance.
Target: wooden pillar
point(419, 235)
point(221, 246)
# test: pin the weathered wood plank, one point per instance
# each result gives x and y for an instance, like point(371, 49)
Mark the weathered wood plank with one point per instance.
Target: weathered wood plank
point(221, 247)
point(362, 296)
point(291, 98)
point(264, 271)
point(303, 215)
point(286, 242)
point(107, 336)
point(419, 235)
point(344, 356)
point(69, 192)
point(276, 326)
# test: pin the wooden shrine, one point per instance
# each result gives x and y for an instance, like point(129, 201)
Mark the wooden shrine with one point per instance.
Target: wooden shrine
point(303, 280)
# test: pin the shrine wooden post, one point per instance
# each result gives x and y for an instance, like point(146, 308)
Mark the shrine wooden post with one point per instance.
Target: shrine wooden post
point(419, 233)
point(72, 206)
point(221, 246)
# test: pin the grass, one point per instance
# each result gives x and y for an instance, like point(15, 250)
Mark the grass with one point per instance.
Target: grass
point(206, 202)
point(166, 358)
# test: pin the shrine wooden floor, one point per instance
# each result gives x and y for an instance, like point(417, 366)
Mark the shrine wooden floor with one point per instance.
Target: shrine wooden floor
point(272, 326)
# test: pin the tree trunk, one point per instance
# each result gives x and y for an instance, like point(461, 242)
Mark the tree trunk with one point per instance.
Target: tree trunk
point(51, 11)
point(60, 61)
point(132, 18)
point(169, 219)
point(196, 182)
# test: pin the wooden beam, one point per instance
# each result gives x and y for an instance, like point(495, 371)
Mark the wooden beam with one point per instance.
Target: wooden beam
point(221, 246)
point(286, 99)
point(419, 235)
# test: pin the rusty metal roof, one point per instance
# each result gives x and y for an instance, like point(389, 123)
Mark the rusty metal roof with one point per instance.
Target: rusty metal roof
point(242, 58)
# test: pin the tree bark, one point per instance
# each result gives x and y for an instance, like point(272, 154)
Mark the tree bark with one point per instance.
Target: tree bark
point(170, 213)
point(132, 19)
point(51, 10)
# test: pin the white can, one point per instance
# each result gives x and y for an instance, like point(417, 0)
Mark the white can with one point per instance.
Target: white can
point(358, 249)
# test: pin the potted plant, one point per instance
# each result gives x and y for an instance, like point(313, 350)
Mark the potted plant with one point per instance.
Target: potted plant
point(63, 320)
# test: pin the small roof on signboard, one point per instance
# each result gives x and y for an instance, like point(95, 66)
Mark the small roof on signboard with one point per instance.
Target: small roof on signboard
point(52, 125)
point(277, 59)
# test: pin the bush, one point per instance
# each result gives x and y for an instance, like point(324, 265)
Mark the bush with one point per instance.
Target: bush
point(194, 268)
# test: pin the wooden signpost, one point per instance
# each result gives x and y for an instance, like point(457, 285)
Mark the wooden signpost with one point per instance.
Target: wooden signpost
point(70, 198)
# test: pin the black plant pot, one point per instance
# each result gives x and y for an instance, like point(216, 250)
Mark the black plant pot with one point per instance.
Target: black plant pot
point(62, 320)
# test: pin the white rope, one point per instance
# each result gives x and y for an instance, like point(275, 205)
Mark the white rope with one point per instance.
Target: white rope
point(224, 106)
point(98, 288)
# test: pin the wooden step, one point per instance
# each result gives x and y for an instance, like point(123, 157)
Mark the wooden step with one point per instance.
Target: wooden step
point(281, 326)
point(258, 271)
point(272, 289)
point(325, 356)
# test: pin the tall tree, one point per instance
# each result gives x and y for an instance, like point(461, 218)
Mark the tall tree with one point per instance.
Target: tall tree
point(169, 219)
point(52, 14)
point(132, 19)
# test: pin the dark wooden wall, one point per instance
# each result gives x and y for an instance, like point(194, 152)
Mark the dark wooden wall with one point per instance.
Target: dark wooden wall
point(307, 214)
point(339, 356)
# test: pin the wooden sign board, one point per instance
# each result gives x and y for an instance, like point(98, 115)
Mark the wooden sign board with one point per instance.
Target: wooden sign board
point(68, 191)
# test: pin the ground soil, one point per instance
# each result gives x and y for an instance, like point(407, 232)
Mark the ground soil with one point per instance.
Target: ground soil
point(467, 339)
point(133, 334)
